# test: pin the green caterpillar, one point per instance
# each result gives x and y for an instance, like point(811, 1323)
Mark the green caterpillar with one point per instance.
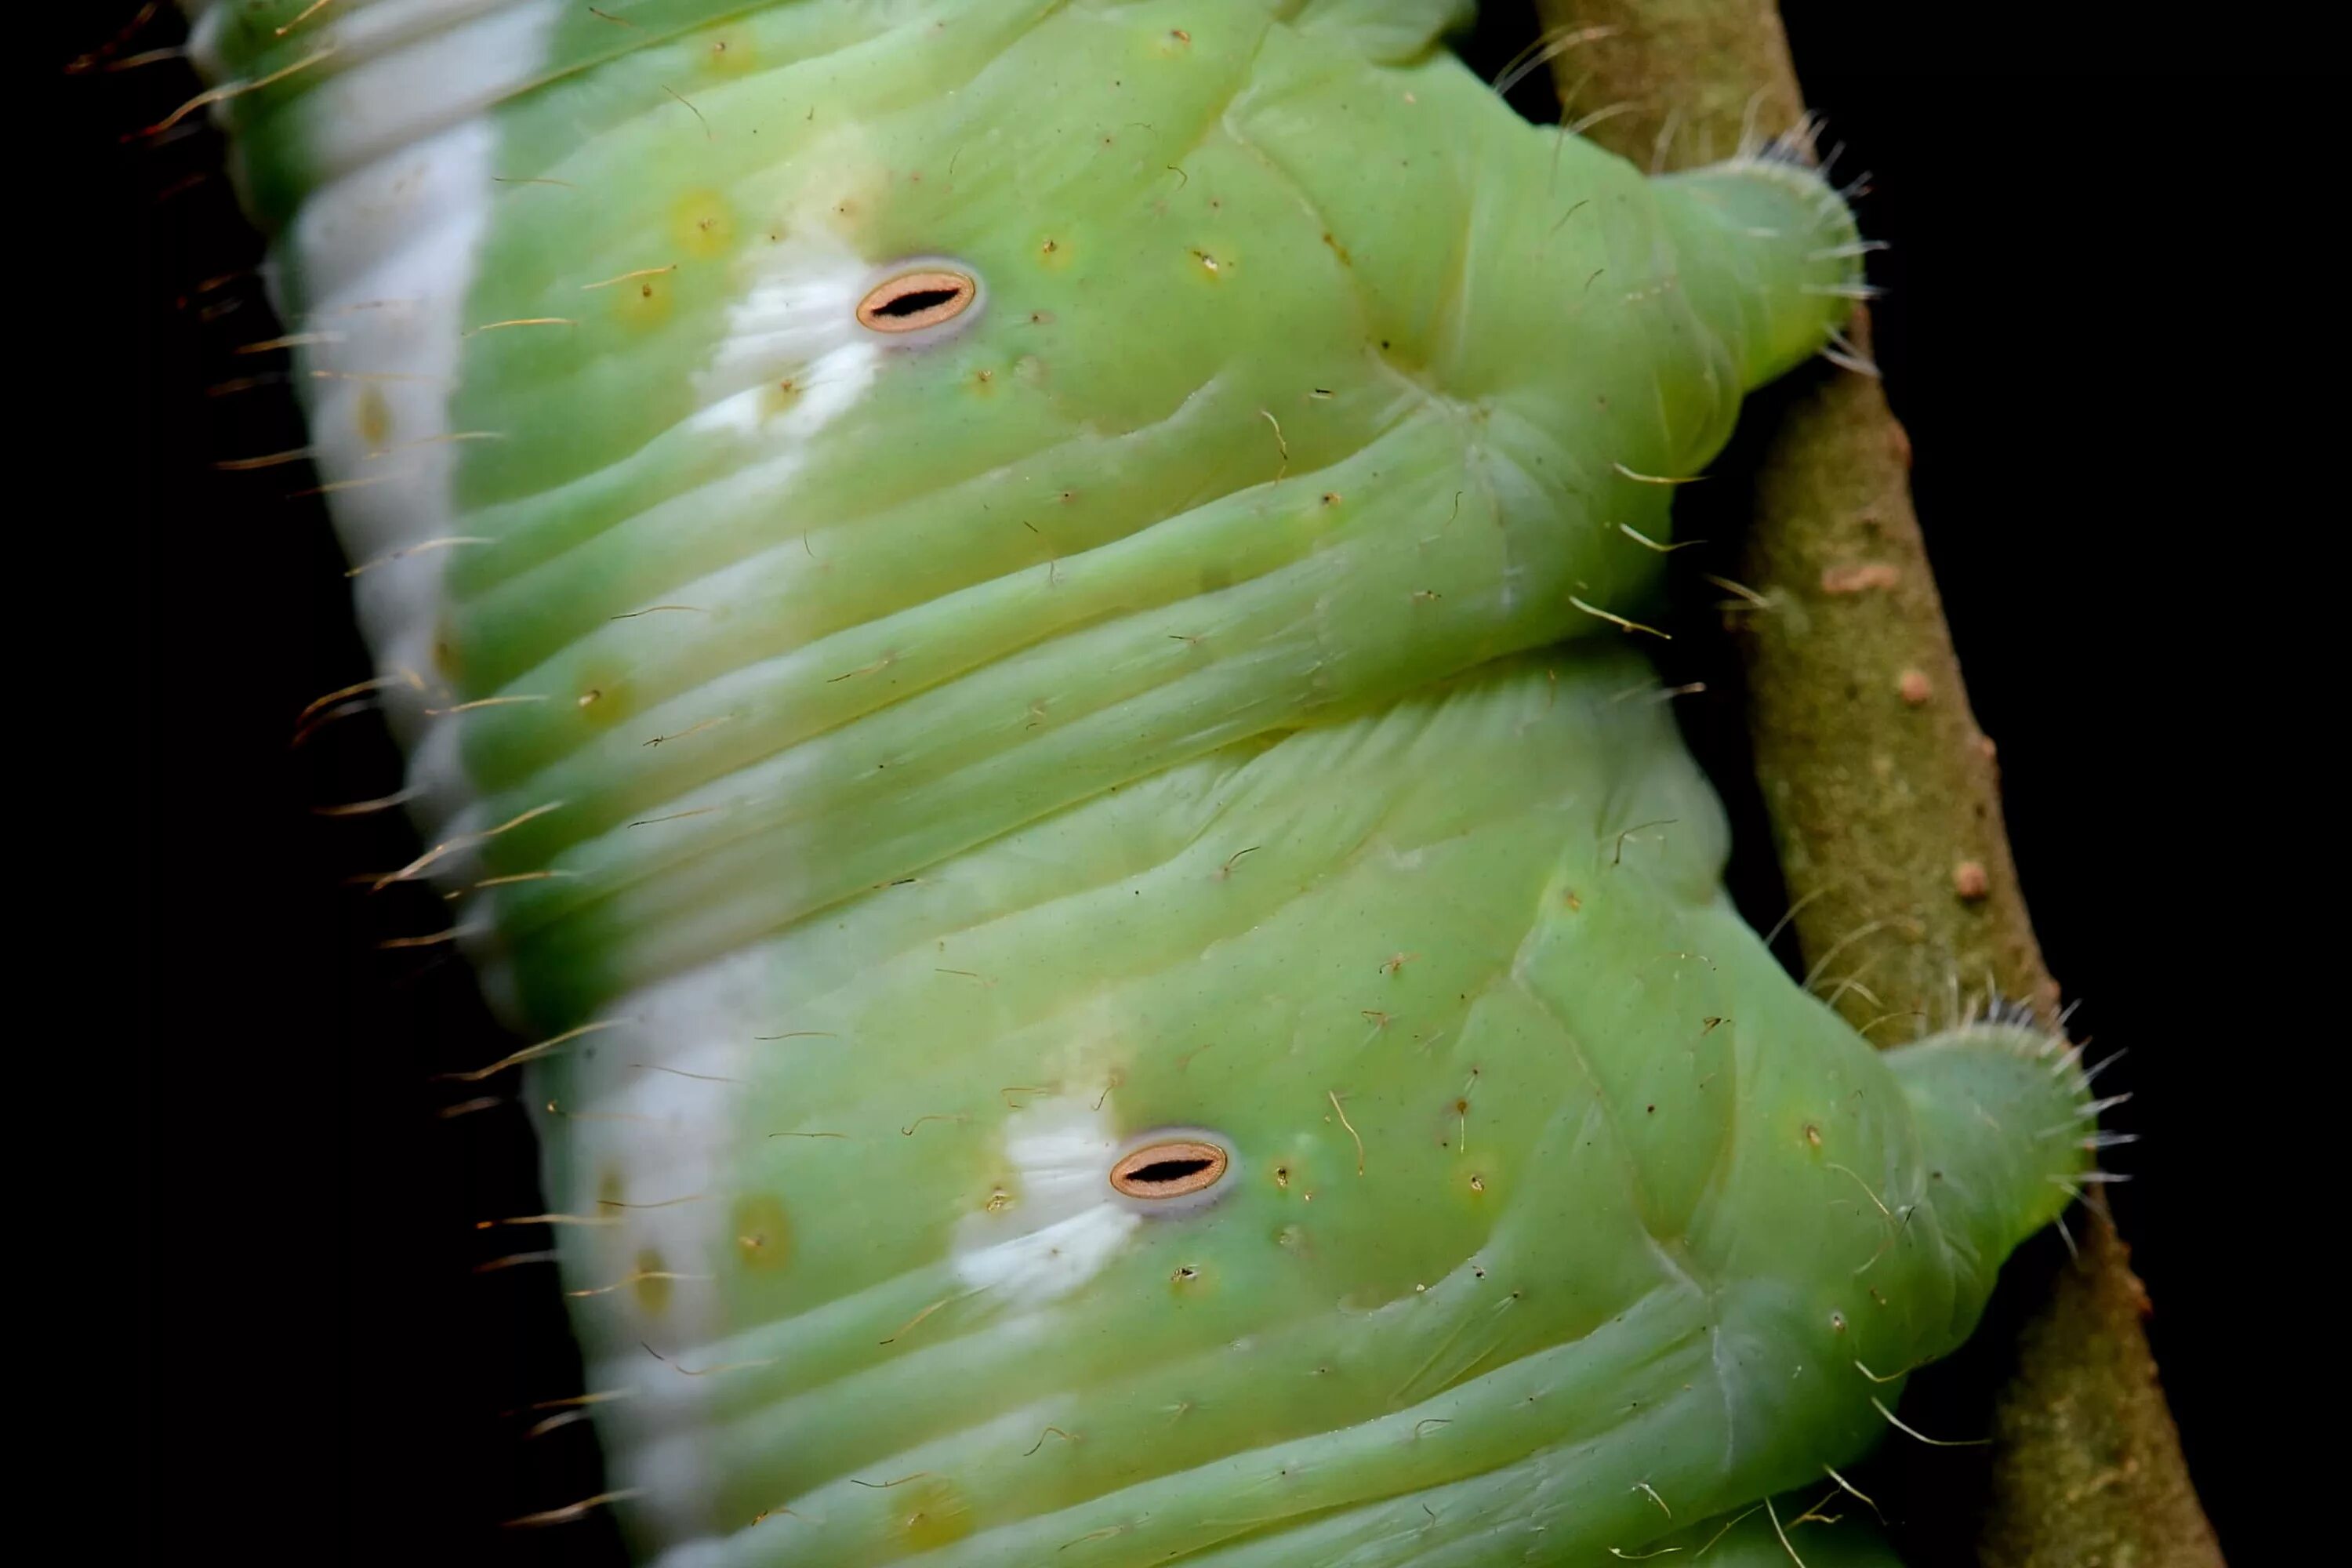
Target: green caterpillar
point(1011, 619)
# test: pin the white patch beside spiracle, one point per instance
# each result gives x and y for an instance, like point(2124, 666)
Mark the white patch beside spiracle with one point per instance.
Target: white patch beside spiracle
point(1064, 1222)
point(797, 321)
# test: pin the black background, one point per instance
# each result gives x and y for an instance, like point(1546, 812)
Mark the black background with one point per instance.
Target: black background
point(2102, 328)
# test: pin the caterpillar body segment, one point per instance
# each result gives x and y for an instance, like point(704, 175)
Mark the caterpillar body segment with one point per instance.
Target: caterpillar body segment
point(1018, 627)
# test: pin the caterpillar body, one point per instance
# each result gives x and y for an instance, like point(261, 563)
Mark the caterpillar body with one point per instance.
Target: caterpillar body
point(1015, 625)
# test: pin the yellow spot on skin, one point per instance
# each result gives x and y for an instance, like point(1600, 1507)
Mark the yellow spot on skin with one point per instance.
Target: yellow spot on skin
point(644, 302)
point(375, 420)
point(729, 54)
point(446, 662)
point(1052, 252)
point(932, 1513)
point(610, 1191)
point(604, 697)
point(762, 1234)
point(653, 1293)
point(1477, 1181)
point(701, 224)
point(778, 396)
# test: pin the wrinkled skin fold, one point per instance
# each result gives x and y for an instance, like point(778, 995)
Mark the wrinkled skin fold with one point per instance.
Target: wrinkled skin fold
point(1168, 681)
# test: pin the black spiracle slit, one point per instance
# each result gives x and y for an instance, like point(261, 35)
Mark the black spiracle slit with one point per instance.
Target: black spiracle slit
point(1170, 1170)
point(913, 300)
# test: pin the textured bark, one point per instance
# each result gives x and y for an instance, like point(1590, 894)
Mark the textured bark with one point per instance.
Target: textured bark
point(2086, 1463)
point(1885, 798)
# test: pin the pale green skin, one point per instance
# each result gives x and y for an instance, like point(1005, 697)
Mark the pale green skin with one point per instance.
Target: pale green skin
point(1138, 704)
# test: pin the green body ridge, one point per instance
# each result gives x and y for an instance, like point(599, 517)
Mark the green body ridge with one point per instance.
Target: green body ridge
point(1191, 694)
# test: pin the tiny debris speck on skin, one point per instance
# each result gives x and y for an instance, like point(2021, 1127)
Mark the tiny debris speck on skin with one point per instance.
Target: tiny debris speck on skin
point(1971, 880)
point(1914, 687)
